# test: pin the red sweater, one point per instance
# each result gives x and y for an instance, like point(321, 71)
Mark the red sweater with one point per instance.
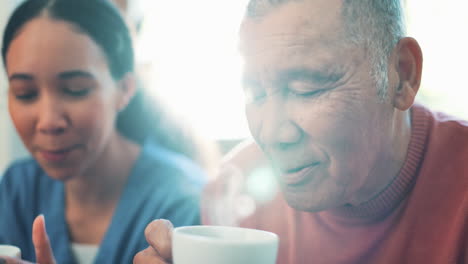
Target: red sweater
point(422, 217)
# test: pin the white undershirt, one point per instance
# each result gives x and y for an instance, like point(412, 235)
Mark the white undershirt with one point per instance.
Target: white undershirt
point(84, 254)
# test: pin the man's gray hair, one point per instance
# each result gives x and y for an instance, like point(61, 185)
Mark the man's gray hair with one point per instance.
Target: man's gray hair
point(377, 25)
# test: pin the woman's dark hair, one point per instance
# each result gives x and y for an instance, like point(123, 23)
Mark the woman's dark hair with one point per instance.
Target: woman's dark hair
point(101, 21)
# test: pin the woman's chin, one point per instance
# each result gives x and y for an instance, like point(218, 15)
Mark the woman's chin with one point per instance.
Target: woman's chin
point(60, 174)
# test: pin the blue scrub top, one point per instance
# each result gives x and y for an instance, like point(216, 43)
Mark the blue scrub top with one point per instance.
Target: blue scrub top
point(162, 184)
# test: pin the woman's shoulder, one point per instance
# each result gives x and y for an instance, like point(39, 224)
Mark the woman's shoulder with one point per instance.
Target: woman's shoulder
point(25, 177)
point(166, 162)
point(22, 170)
point(22, 183)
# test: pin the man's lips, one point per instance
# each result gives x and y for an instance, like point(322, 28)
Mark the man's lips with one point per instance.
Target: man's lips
point(299, 175)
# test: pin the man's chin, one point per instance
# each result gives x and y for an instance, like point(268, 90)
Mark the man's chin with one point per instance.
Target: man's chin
point(308, 204)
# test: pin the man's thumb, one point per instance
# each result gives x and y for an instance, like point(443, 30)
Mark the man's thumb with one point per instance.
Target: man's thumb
point(159, 235)
point(41, 242)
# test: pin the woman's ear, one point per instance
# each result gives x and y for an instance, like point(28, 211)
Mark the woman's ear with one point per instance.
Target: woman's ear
point(127, 87)
point(409, 62)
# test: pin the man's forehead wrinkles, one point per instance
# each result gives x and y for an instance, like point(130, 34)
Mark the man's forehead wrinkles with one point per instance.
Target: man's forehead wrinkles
point(273, 34)
point(292, 39)
point(297, 55)
point(261, 7)
point(284, 43)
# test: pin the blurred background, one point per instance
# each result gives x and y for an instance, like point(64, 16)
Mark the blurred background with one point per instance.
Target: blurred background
point(187, 52)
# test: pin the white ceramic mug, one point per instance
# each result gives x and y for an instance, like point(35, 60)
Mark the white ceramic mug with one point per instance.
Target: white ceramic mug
point(223, 245)
point(10, 251)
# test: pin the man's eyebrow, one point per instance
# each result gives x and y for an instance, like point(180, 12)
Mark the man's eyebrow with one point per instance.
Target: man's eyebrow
point(307, 74)
point(75, 74)
point(21, 76)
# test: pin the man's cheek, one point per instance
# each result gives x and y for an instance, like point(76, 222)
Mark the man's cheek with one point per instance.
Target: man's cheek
point(254, 123)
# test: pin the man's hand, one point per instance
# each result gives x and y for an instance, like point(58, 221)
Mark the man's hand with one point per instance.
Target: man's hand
point(41, 243)
point(159, 236)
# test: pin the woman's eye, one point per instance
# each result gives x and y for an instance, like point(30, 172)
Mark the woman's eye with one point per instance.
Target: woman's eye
point(77, 92)
point(26, 96)
point(23, 91)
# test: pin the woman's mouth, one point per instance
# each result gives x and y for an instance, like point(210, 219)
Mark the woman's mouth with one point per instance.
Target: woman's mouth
point(56, 156)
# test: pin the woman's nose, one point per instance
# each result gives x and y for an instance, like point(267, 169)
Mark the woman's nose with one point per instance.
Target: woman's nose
point(51, 118)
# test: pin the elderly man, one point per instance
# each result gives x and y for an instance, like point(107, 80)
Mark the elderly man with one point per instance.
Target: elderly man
point(366, 176)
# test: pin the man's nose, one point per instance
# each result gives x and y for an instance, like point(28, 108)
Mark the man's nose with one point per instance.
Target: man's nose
point(278, 129)
point(51, 117)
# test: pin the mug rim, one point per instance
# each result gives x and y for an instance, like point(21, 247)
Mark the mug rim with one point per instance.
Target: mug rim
point(265, 237)
point(12, 251)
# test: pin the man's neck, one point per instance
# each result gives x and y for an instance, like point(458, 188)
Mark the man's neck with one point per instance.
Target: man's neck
point(389, 164)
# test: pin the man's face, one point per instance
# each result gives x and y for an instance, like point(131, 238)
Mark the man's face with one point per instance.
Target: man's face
point(312, 104)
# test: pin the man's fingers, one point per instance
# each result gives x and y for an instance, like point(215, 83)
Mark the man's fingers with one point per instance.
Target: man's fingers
point(148, 256)
point(7, 260)
point(159, 235)
point(41, 242)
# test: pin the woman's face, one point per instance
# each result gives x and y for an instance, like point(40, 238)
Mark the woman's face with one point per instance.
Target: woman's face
point(62, 98)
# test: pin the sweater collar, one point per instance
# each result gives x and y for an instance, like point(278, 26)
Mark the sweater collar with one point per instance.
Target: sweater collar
point(389, 199)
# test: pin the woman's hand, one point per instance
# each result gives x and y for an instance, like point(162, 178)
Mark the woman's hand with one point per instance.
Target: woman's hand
point(41, 243)
point(44, 254)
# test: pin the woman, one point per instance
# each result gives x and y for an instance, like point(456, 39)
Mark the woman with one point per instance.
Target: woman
point(95, 176)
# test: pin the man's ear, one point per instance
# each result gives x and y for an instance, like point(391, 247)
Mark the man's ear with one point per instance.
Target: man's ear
point(409, 61)
point(127, 87)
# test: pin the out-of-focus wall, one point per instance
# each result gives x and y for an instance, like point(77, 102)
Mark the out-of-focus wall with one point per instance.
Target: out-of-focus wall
point(10, 146)
point(440, 28)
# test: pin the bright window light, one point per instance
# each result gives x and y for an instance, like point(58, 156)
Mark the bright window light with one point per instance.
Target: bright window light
point(440, 28)
point(195, 66)
point(192, 47)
